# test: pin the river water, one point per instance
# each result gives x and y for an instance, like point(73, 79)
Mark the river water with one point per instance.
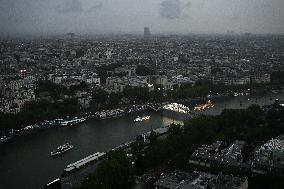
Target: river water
point(25, 161)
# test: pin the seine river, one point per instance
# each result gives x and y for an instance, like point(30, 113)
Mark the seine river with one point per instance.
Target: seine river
point(25, 161)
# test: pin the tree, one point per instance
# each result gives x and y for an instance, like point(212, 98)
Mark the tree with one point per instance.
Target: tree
point(175, 129)
point(153, 137)
point(157, 94)
point(81, 87)
point(114, 173)
point(114, 99)
point(52, 89)
point(142, 70)
point(99, 97)
point(137, 94)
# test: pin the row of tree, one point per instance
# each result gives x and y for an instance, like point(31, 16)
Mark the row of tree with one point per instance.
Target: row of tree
point(37, 111)
point(55, 91)
point(132, 95)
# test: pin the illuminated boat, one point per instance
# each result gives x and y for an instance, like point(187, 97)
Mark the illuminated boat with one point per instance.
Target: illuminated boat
point(140, 119)
point(177, 111)
point(201, 107)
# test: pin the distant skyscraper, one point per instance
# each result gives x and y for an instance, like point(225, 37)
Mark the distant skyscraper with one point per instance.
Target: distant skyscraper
point(71, 35)
point(147, 32)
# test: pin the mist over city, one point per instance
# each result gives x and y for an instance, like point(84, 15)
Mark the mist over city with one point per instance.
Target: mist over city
point(141, 94)
point(42, 17)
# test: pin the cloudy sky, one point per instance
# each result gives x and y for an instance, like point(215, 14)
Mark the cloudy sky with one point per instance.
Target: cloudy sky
point(128, 16)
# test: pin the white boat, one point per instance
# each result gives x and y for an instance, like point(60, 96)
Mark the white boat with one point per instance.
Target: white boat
point(4, 139)
point(61, 149)
point(83, 162)
point(72, 121)
point(143, 118)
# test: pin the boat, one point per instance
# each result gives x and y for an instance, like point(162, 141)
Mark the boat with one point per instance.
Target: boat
point(5, 139)
point(73, 167)
point(61, 149)
point(143, 118)
point(201, 107)
point(54, 184)
point(177, 111)
point(72, 121)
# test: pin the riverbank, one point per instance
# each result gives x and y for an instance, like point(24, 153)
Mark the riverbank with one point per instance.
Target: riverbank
point(27, 159)
point(119, 112)
point(71, 121)
point(73, 175)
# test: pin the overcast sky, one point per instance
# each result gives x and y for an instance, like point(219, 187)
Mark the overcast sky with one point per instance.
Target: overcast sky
point(128, 16)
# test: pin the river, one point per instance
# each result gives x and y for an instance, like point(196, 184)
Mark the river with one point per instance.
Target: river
point(25, 161)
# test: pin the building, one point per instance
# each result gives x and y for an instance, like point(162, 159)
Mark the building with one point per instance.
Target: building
point(260, 78)
point(125, 70)
point(219, 153)
point(269, 157)
point(117, 84)
point(278, 157)
point(162, 80)
point(200, 180)
point(147, 32)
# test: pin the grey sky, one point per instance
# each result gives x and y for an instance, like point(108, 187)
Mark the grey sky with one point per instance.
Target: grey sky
point(127, 16)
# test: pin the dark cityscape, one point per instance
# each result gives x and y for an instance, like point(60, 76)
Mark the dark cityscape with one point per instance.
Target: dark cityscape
point(166, 94)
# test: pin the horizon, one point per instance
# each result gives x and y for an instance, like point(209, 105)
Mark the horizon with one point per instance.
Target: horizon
point(39, 17)
point(136, 34)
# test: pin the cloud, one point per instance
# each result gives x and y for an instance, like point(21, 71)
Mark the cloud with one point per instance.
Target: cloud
point(71, 6)
point(96, 7)
point(181, 16)
point(187, 4)
point(172, 9)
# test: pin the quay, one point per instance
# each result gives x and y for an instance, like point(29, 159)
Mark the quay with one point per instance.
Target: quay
point(174, 110)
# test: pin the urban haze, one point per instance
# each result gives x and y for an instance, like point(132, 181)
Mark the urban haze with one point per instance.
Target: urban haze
point(47, 17)
point(141, 94)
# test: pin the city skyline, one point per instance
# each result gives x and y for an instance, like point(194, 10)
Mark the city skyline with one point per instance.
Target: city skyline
point(32, 17)
point(139, 94)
